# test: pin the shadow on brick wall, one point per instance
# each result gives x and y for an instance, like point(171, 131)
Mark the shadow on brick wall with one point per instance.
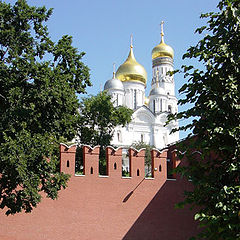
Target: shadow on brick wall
point(161, 220)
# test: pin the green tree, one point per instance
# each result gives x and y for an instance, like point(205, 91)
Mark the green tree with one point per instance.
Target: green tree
point(39, 80)
point(148, 158)
point(215, 96)
point(97, 122)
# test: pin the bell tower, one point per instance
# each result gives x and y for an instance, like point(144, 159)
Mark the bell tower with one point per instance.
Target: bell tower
point(162, 95)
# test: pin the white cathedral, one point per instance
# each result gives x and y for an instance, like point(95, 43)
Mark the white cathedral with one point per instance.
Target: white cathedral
point(127, 88)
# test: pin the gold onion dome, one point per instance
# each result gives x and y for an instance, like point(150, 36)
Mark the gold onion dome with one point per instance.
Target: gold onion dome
point(162, 49)
point(131, 70)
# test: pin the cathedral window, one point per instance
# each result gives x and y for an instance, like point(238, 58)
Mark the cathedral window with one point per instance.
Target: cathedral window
point(164, 140)
point(138, 172)
point(154, 106)
point(169, 108)
point(135, 99)
point(68, 164)
point(119, 136)
point(91, 171)
point(115, 166)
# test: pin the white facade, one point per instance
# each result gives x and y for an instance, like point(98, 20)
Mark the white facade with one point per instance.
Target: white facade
point(149, 117)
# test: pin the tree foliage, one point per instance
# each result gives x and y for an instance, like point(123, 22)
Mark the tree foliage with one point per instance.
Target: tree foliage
point(215, 95)
point(99, 118)
point(39, 80)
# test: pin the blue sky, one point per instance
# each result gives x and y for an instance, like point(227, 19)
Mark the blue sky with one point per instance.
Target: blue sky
point(102, 30)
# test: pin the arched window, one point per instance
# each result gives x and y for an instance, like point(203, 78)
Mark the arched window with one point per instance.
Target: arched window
point(138, 172)
point(160, 168)
point(117, 100)
point(142, 137)
point(169, 108)
point(68, 164)
point(154, 106)
point(135, 99)
point(91, 171)
point(119, 136)
point(164, 140)
point(115, 166)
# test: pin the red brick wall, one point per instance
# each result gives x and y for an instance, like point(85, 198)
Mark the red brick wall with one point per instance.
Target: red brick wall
point(109, 207)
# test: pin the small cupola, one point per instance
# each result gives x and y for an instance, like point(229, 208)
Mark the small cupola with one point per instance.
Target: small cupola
point(162, 49)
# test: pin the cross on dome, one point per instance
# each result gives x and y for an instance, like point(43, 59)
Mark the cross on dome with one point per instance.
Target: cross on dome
point(114, 70)
point(162, 33)
point(131, 41)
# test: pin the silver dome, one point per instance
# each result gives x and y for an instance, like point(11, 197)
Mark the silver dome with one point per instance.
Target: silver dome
point(157, 91)
point(114, 83)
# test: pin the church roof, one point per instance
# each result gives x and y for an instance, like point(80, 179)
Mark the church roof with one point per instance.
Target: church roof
point(157, 91)
point(114, 83)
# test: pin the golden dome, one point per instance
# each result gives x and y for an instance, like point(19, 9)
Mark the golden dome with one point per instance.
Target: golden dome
point(131, 70)
point(162, 49)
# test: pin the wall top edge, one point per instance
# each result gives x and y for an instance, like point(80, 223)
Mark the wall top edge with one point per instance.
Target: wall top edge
point(68, 146)
point(160, 151)
point(114, 149)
